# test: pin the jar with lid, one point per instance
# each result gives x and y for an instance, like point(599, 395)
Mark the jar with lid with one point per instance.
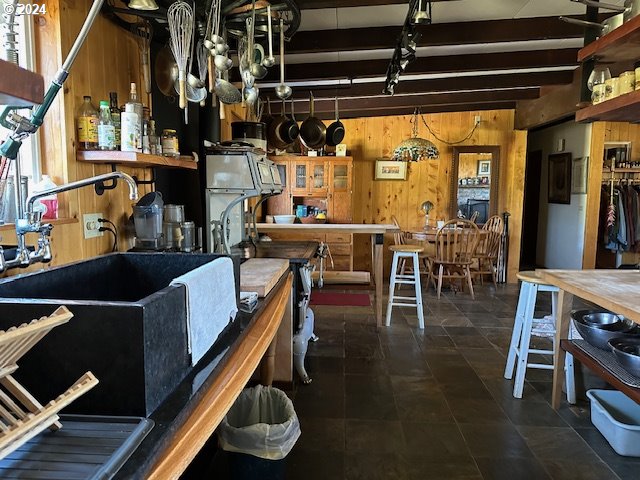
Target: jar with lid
point(170, 143)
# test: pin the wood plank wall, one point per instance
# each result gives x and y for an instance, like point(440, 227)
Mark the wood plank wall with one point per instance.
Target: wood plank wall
point(108, 61)
point(376, 201)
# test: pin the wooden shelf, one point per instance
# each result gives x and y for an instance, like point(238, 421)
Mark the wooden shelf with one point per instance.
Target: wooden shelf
point(625, 108)
point(134, 159)
point(621, 45)
point(20, 87)
point(596, 367)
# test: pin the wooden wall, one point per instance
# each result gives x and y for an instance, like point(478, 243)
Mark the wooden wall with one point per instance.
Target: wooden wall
point(108, 61)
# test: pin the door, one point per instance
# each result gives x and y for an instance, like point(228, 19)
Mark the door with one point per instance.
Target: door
point(281, 204)
point(340, 174)
point(531, 210)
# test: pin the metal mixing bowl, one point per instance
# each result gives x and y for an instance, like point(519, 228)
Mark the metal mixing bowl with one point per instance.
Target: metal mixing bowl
point(627, 353)
point(598, 334)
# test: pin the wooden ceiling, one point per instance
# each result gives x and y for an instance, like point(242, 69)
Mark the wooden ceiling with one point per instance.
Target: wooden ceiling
point(461, 65)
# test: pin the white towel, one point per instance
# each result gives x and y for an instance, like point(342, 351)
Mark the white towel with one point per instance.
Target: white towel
point(211, 303)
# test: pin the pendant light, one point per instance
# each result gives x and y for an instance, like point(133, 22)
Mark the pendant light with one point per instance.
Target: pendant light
point(415, 148)
point(143, 5)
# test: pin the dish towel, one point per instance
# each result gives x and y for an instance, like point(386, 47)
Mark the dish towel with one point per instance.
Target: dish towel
point(211, 303)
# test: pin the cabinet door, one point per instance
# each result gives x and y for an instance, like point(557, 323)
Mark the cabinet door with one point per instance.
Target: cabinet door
point(340, 192)
point(281, 204)
point(319, 171)
point(300, 177)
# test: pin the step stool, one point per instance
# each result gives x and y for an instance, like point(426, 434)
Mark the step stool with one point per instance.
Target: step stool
point(405, 252)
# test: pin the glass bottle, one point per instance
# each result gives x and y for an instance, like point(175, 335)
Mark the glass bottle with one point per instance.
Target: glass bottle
point(139, 110)
point(115, 116)
point(106, 130)
point(87, 125)
point(153, 138)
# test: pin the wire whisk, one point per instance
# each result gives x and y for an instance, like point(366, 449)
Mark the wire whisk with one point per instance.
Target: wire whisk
point(180, 18)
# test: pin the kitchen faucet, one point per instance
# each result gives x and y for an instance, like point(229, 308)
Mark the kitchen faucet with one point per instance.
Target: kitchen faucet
point(30, 221)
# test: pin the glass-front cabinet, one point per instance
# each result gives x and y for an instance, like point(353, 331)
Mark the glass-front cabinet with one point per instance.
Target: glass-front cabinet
point(310, 176)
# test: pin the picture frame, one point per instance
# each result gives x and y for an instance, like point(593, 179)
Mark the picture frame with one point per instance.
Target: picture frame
point(616, 152)
point(579, 175)
point(484, 168)
point(559, 178)
point(391, 170)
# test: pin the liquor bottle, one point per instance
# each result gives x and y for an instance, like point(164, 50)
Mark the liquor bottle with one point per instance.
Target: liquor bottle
point(106, 130)
point(115, 115)
point(87, 125)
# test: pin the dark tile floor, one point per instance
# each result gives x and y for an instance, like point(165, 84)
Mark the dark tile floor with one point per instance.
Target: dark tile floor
point(407, 403)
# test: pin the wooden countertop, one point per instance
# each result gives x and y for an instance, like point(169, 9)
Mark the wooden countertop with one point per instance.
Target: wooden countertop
point(615, 290)
point(329, 227)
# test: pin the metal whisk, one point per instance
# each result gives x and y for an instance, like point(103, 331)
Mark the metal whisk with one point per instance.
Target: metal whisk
point(180, 17)
point(144, 32)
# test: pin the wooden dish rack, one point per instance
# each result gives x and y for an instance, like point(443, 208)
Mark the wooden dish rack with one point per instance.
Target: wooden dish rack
point(22, 417)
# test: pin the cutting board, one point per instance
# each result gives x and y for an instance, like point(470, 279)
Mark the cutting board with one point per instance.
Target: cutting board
point(261, 274)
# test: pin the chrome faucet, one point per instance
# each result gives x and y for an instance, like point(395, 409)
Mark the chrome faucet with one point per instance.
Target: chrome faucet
point(30, 221)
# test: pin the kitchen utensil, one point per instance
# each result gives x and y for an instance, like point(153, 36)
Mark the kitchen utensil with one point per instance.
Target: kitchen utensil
point(605, 27)
point(282, 131)
point(188, 236)
point(284, 218)
point(221, 48)
point(270, 60)
point(257, 69)
point(222, 62)
point(226, 92)
point(627, 353)
point(174, 213)
point(180, 19)
point(144, 32)
point(283, 90)
point(147, 216)
point(313, 133)
point(203, 58)
point(250, 95)
point(630, 9)
point(598, 334)
point(166, 71)
point(335, 131)
point(211, 17)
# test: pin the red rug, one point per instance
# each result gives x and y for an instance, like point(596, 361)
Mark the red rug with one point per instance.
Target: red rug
point(340, 299)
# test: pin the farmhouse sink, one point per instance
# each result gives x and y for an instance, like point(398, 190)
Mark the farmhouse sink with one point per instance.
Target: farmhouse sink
point(129, 329)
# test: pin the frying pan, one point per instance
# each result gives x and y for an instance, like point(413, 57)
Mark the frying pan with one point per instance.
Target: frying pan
point(282, 131)
point(335, 131)
point(313, 133)
point(166, 71)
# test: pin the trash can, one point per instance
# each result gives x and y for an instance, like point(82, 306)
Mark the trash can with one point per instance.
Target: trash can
point(259, 431)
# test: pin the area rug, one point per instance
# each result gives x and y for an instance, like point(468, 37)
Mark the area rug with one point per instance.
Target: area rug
point(340, 299)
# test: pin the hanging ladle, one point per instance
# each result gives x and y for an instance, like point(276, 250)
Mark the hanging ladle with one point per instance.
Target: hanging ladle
point(269, 61)
point(283, 90)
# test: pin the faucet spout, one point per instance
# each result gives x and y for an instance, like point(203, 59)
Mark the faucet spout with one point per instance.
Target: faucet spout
point(133, 188)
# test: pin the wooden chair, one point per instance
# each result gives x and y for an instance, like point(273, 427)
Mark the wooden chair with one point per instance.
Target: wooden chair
point(488, 249)
point(456, 243)
point(400, 237)
point(474, 216)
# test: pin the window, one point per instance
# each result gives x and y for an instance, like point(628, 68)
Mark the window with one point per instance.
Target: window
point(29, 152)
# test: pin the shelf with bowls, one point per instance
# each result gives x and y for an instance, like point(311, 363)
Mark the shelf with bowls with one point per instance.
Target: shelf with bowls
point(624, 108)
point(134, 159)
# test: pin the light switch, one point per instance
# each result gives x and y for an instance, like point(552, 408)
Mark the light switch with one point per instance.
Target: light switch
point(560, 145)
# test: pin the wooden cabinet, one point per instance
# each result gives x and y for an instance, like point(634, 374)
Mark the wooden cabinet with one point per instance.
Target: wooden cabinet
point(340, 246)
point(619, 50)
point(325, 182)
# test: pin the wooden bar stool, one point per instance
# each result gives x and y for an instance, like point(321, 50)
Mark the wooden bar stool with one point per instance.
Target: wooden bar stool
point(405, 252)
point(525, 326)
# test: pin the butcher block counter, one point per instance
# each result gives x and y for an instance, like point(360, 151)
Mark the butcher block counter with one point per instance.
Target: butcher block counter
point(615, 290)
point(376, 231)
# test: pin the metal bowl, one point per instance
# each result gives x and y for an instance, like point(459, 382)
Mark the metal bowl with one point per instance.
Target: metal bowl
point(627, 353)
point(598, 319)
point(599, 334)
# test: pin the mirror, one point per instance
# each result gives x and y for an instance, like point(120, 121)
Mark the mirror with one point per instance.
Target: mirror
point(474, 182)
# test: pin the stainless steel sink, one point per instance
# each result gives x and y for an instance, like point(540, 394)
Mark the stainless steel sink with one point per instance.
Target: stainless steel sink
point(129, 329)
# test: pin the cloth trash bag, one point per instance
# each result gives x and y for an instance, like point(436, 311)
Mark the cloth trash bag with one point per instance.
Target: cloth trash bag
point(262, 423)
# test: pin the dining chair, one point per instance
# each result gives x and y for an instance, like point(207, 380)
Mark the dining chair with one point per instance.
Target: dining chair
point(488, 248)
point(456, 243)
point(474, 216)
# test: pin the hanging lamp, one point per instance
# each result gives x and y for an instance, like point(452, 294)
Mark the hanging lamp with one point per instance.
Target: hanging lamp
point(415, 148)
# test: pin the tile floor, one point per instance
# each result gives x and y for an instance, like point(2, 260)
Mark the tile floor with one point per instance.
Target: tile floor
point(411, 404)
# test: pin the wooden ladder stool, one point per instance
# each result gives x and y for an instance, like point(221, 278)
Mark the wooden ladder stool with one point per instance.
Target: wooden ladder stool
point(525, 326)
point(405, 252)
point(22, 417)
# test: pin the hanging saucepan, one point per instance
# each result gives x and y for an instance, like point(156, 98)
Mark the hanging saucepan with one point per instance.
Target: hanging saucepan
point(630, 9)
point(282, 131)
point(335, 131)
point(605, 27)
point(313, 133)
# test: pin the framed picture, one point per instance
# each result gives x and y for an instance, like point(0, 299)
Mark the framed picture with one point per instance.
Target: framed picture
point(560, 178)
point(391, 170)
point(484, 168)
point(579, 175)
point(617, 155)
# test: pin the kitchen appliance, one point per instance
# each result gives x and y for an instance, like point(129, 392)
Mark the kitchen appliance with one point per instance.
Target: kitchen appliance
point(235, 173)
point(147, 218)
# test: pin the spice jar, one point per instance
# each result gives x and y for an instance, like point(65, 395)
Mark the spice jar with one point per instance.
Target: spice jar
point(170, 143)
point(627, 82)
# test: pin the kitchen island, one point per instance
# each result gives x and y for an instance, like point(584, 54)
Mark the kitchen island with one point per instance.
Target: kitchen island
point(615, 290)
point(376, 231)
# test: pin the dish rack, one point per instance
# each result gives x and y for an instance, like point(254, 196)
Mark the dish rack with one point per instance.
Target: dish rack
point(22, 417)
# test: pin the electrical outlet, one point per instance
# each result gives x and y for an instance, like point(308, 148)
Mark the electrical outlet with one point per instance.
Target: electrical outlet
point(477, 120)
point(91, 225)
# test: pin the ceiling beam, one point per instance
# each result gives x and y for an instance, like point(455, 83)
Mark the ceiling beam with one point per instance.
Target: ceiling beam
point(411, 101)
point(458, 107)
point(316, 4)
point(437, 34)
point(438, 64)
point(481, 82)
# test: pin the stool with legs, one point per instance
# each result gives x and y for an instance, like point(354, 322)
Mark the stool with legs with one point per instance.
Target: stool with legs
point(400, 253)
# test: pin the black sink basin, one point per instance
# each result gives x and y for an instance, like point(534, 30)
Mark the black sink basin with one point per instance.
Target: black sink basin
point(129, 329)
